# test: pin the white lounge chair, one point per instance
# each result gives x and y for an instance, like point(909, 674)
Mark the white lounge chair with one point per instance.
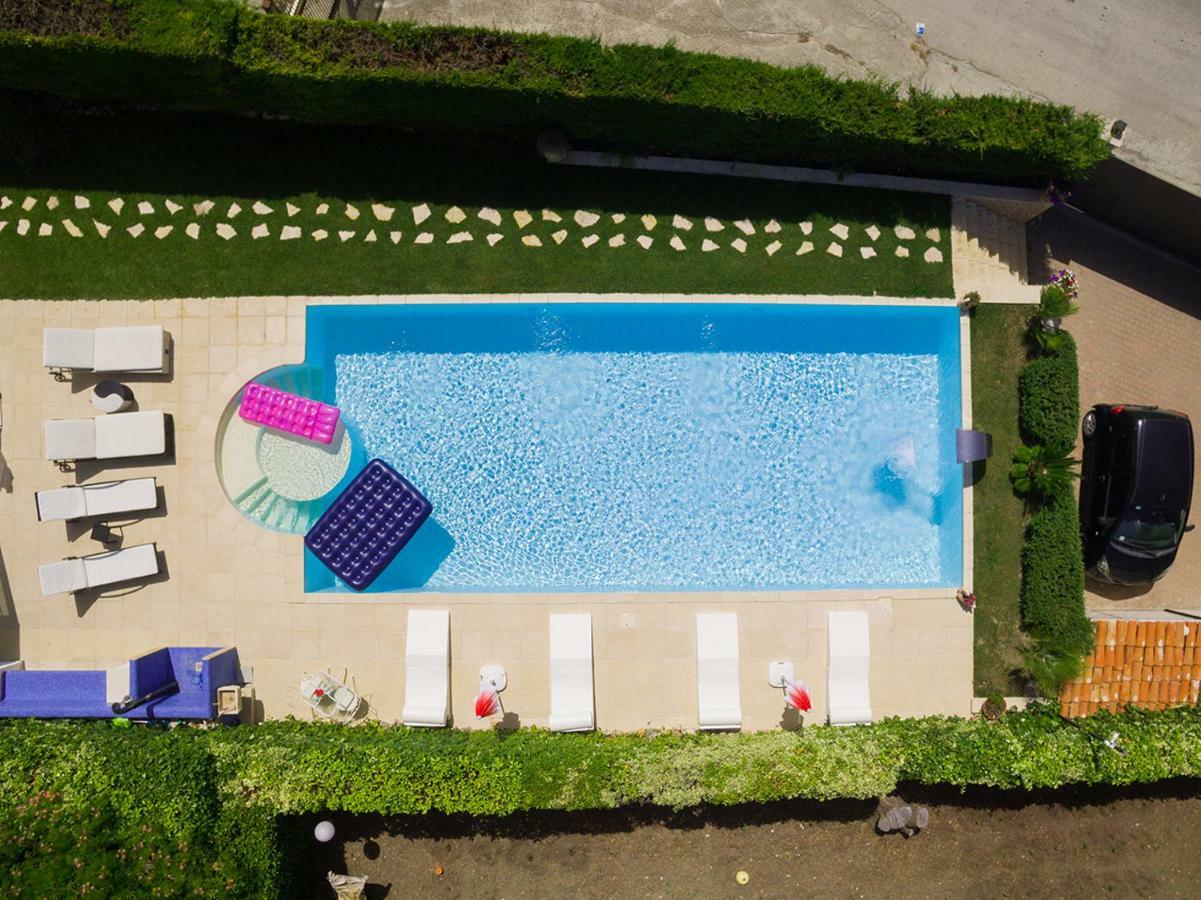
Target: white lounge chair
point(107, 498)
point(850, 658)
point(572, 707)
point(80, 573)
point(114, 436)
point(135, 348)
point(719, 707)
point(427, 668)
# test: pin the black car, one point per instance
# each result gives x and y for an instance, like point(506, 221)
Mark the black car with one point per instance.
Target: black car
point(1135, 489)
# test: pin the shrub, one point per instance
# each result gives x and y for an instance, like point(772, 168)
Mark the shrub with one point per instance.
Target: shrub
point(1043, 470)
point(217, 55)
point(1049, 396)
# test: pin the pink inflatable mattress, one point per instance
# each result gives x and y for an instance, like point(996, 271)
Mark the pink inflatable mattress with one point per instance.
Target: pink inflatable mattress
point(287, 412)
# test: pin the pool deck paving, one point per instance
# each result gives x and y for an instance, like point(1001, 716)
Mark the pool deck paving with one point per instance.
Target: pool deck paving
point(228, 581)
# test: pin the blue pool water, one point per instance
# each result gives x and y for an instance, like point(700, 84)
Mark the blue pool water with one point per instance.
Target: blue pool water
point(612, 447)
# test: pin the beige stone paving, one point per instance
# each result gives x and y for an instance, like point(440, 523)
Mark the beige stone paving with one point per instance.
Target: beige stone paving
point(231, 582)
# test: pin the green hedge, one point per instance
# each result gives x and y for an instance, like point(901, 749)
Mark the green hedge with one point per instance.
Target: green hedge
point(1049, 393)
point(219, 55)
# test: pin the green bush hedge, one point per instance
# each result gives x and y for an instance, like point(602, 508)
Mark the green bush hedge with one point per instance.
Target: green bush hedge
point(1049, 396)
point(219, 55)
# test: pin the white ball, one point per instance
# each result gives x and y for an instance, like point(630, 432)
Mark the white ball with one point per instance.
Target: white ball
point(324, 831)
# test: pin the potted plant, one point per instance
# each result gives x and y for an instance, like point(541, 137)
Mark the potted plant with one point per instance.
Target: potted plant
point(993, 707)
point(970, 301)
point(1054, 302)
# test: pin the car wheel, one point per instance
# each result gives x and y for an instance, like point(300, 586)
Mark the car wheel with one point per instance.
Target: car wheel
point(1090, 424)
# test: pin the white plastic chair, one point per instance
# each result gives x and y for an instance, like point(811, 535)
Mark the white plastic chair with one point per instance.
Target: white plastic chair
point(572, 705)
point(849, 668)
point(719, 705)
point(427, 668)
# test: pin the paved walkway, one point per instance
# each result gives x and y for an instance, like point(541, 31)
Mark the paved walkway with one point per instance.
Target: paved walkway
point(1139, 333)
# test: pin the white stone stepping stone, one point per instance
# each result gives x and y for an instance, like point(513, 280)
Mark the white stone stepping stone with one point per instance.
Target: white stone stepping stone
point(291, 209)
point(5, 202)
point(352, 212)
point(491, 216)
point(145, 208)
point(772, 227)
point(559, 236)
point(618, 240)
point(932, 255)
point(51, 203)
point(203, 208)
point(522, 217)
point(904, 232)
point(322, 209)
point(867, 252)
point(22, 227)
point(82, 202)
point(548, 215)
point(806, 228)
point(745, 226)
point(101, 228)
point(589, 239)
point(806, 247)
point(136, 229)
point(902, 251)
point(739, 244)
point(45, 229)
point(424, 238)
point(707, 246)
point(681, 223)
point(454, 215)
point(163, 230)
point(71, 228)
point(289, 233)
point(234, 209)
point(225, 231)
point(172, 207)
point(116, 205)
point(531, 240)
point(773, 248)
point(840, 231)
point(383, 213)
point(618, 218)
point(370, 238)
point(192, 230)
point(835, 249)
point(494, 238)
point(395, 236)
point(320, 234)
point(585, 219)
point(649, 222)
point(3, 224)
point(261, 209)
point(29, 203)
point(345, 236)
point(713, 224)
point(460, 237)
point(260, 231)
point(676, 243)
point(645, 241)
point(933, 234)
point(421, 213)
point(873, 232)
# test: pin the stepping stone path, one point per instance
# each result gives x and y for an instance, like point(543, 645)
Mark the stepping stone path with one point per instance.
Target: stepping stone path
point(618, 240)
point(71, 228)
point(559, 236)
point(45, 229)
point(772, 227)
point(494, 238)
point(260, 231)
point(5, 202)
point(773, 248)
point(424, 238)
point(549, 215)
point(172, 207)
point(589, 239)
point(29, 203)
point(52, 203)
point(645, 241)
point(459, 237)
point(739, 244)
point(225, 230)
point(806, 247)
point(3, 224)
point(745, 227)
point(381, 212)
point(840, 231)
point(707, 246)
point(320, 234)
point(234, 209)
point(933, 234)
point(649, 222)
point(345, 236)
point(585, 219)
point(136, 229)
point(370, 238)
point(192, 231)
point(163, 230)
point(806, 228)
point(835, 249)
point(145, 208)
point(454, 215)
point(490, 215)
point(713, 225)
point(421, 213)
point(23, 227)
point(932, 255)
point(203, 208)
point(867, 252)
point(681, 223)
point(116, 205)
point(101, 228)
point(322, 208)
point(352, 212)
point(289, 233)
point(522, 218)
point(618, 218)
point(676, 243)
point(82, 202)
point(395, 236)
point(902, 252)
point(291, 209)
point(904, 232)
point(873, 232)
point(261, 209)
point(532, 240)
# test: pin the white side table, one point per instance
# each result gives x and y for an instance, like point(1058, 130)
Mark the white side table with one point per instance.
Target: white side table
point(111, 396)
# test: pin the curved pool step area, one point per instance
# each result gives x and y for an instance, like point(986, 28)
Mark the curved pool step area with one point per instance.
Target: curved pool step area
point(274, 479)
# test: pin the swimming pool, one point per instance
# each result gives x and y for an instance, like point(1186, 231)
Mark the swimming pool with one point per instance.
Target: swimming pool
point(636, 447)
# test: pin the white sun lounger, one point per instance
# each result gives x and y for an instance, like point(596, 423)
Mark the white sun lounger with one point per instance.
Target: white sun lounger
point(850, 656)
point(113, 436)
point(427, 668)
point(107, 498)
point(718, 703)
point(134, 348)
point(572, 707)
point(77, 574)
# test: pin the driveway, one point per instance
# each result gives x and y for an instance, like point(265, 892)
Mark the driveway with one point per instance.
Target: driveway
point(1133, 61)
point(1139, 333)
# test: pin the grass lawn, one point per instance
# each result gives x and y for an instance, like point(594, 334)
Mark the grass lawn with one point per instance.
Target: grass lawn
point(186, 159)
point(998, 352)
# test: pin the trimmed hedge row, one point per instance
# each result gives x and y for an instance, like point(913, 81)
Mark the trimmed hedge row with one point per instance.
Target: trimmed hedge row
point(218, 55)
point(1049, 395)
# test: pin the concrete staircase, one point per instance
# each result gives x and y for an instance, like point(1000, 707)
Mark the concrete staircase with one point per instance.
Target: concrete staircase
point(988, 252)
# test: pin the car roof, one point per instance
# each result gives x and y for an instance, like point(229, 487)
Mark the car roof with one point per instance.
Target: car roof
point(1168, 480)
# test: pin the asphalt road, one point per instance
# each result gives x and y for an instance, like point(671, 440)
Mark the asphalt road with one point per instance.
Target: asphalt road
point(1136, 60)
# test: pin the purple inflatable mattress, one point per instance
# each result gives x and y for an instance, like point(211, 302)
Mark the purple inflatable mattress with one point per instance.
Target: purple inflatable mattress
point(368, 524)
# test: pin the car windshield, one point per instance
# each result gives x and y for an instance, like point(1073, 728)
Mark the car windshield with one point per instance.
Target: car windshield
point(1149, 529)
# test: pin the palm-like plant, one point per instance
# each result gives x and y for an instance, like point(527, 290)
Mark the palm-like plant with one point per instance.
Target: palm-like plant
point(1043, 470)
point(1055, 303)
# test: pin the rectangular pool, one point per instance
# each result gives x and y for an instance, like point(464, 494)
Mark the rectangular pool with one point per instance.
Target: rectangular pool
point(666, 447)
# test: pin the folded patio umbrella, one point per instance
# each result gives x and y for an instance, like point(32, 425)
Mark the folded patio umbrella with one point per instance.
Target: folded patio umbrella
point(488, 702)
point(796, 695)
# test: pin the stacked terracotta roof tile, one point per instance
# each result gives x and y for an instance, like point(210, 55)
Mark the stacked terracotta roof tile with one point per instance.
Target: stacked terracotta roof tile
point(1149, 664)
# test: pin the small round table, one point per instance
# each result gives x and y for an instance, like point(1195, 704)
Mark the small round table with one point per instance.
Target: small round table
point(111, 396)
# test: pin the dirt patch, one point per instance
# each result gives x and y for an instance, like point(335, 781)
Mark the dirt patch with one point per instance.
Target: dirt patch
point(995, 844)
point(59, 18)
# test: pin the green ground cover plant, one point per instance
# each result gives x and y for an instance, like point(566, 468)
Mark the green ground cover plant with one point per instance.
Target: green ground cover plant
point(220, 55)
